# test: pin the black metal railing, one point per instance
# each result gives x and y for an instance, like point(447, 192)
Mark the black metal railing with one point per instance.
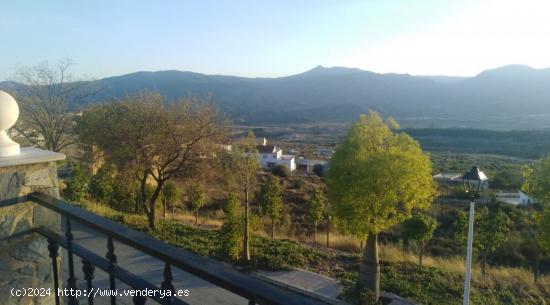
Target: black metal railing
point(254, 290)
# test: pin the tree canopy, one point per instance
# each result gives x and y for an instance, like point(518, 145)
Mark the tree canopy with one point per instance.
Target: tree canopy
point(420, 228)
point(154, 139)
point(377, 177)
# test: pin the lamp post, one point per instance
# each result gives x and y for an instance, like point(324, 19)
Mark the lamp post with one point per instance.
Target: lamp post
point(474, 182)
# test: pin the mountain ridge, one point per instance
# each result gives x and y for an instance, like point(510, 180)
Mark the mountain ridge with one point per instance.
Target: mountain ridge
point(500, 96)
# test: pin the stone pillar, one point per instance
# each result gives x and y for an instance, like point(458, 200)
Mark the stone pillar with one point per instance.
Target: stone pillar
point(24, 256)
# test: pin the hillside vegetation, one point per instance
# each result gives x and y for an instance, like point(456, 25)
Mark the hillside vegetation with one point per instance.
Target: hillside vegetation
point(440, 282)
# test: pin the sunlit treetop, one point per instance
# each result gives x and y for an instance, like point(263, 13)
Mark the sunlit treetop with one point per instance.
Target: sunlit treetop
point(377, 177)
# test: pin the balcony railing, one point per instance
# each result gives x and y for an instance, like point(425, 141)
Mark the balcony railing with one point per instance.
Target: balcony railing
point(222, 275)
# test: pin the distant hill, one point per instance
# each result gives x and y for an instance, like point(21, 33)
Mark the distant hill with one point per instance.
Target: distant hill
point(504, 98)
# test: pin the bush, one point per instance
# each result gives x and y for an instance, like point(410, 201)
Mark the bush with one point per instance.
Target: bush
point(319, 170)
point(77, 187)
point(280, 170)
point(232, 231)
point(102, 183)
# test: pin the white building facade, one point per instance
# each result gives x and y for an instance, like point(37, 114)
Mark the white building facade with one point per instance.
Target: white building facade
point(519, 198)
point(271, 155)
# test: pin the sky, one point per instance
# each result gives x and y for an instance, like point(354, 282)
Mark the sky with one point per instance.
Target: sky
point(274, 38)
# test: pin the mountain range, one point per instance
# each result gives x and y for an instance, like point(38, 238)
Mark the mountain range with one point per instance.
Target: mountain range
point(509, 97)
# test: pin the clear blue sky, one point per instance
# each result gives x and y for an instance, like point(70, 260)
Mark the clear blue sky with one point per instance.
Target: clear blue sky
point(274, 38)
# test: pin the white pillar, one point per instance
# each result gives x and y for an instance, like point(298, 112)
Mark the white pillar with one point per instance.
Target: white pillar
point(469, 255)
point(9, 112)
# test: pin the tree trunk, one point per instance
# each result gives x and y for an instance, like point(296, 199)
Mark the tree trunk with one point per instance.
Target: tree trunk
point(272, 227)
point(369, 275)
point(420, 256)
point(197, 218)
point(164, 208)
point(536, 271)
point(246, 243)
point(483, 264)
point(151, 220)
point(137, 201)
point(406, 245)
point(151, 207)
point(315, 233)
point(328, 232)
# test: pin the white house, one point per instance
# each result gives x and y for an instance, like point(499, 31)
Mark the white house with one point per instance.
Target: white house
point(271, 155)
point(518, 198)
point(226, 144)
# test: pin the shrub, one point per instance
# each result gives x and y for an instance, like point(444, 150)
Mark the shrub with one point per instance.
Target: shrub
point(280, 170)
point(319, 170)
point(232, 231)
point(77, 187)
point(102, 183)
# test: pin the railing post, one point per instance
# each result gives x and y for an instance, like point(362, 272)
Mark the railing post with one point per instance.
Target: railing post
point(112, 264)
point(167, 283)
point(71, 281)
point(53, 248)
point(88, 270)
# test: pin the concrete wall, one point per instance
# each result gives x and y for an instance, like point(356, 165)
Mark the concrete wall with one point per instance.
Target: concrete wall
point(24, 256)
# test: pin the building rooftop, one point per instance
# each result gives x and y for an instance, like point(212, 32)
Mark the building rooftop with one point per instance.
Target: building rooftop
point(448, 176)
point(267, 149)
point(311, 162)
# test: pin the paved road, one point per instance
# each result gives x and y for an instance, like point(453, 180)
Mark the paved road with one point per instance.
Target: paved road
point(201, 292)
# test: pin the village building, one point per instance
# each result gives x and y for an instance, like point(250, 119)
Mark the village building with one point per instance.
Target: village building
point(271, 155)
point(516, 198)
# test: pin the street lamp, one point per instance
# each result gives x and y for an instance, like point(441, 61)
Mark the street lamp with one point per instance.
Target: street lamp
point(474, 182)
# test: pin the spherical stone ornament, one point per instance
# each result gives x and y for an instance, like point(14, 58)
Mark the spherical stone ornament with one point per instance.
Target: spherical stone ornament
point(9, 112)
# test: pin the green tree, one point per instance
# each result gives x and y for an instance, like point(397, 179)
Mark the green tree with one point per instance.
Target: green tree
point(490, 229)
point(537, 180)
point(460, 228)
point(77, 187)
point(532, 251)
point(376, 178)
point(197, 199)
point(270, 200)
point(241, 167)
point(315, 210)
point(170, 193)
point(124, 193)
point(537, 184)
point(232, 229)
point(102, 183)
point(543, 236)
point(419, 228)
